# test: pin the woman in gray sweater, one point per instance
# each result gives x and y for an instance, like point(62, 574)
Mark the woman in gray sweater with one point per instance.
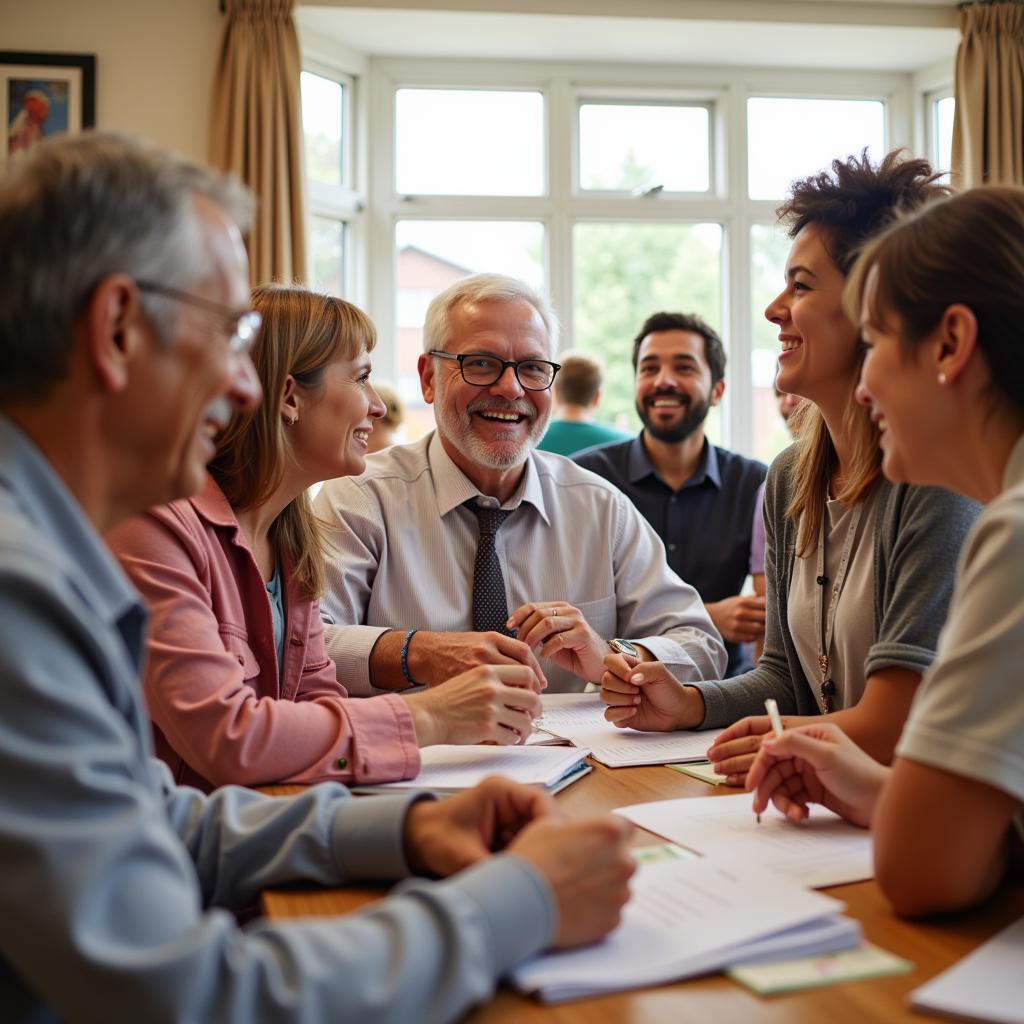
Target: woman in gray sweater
point(859, 572)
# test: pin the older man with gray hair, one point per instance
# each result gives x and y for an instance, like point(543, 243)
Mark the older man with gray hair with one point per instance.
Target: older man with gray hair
point(124, 334)
point(469, 547)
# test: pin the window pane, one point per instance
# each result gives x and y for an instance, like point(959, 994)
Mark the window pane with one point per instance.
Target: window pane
point(769, 247)
point(792, 138)
point(434, 254)
point(323, 116)
point(328, 246)
point(469, 142)
point(942, 145)
point(632, 146)
point(625, 272)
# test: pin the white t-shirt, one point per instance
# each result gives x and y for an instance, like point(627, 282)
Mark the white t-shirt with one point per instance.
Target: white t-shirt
point(968, 714)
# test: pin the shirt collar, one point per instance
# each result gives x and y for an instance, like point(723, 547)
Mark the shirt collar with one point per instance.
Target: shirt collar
point(211, 505)
point(1014, 473)
point(56, 514)
point(453, 488)
point(639, 464)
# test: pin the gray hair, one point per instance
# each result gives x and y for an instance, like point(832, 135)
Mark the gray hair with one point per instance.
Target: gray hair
point(481, 288)
point(78, 210)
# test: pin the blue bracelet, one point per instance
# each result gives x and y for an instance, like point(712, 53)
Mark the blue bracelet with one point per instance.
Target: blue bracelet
point(405, 657)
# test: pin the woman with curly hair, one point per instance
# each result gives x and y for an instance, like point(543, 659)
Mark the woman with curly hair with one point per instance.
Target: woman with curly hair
point(858, 571)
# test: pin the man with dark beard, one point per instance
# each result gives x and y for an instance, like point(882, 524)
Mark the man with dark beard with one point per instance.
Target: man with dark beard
point(699, 498)
point(470, 548)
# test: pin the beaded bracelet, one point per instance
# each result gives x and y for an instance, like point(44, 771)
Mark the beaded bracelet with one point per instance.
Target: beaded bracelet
point(405, 657)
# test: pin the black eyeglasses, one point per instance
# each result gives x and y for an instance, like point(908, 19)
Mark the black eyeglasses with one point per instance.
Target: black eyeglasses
point(244, 327)
point(479, 370)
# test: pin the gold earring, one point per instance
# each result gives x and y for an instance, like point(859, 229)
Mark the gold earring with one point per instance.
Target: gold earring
point(942, 378)
point(292, 421)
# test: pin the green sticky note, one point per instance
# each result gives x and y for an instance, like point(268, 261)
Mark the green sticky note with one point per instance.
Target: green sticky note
point(865, 961)
point(660, 852)
point(702, 770)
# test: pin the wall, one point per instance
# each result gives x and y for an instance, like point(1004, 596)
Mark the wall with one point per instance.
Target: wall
point(154, 59)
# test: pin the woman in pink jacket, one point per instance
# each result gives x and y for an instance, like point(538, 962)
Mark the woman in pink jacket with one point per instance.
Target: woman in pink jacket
point(238, 681)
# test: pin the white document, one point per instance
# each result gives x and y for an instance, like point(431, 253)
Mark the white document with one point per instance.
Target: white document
point(824, 850)
point(579, 718)
point(450, 768)
point(988, 984)
point(685, 917)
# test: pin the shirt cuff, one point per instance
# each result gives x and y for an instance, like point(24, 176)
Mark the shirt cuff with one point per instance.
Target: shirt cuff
point(349, 647)
point(368, 837)
point(516, 904)
point(384, 746)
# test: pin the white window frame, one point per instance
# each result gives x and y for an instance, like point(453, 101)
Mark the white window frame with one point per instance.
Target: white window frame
point(726, 90)
point(346, 202)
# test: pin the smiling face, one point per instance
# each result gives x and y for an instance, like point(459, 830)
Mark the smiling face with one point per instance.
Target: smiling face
point(820, 357)
point(331, 434)
point(493, 428)
point(184, 391)
point(899, 387)
point(673, 384)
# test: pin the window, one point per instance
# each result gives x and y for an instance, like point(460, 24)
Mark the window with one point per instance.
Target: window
point(637, 146)
point(769, 246)
point(326, 105)
point(433, 254)
point(625, 272)
point(943, 109)
point(617, 190)
point(469, 142)
point(789, 138)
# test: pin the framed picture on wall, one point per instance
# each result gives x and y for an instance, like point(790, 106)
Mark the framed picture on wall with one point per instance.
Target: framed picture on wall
point(43, 94)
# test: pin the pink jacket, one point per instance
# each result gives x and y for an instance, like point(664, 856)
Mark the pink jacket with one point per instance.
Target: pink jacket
point(221, 713)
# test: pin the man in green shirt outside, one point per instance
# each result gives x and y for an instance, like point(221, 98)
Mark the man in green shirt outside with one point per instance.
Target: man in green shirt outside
point(577, 394)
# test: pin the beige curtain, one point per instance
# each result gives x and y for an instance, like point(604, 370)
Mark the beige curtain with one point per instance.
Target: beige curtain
point(988, 129)
point(256, 131)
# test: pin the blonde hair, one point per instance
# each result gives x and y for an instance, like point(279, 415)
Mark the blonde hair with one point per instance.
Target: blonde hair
point(851, 203)
point(303, 333)
point(394, 408)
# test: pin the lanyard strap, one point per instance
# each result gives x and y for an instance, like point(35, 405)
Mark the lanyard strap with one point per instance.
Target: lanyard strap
point(827, 618)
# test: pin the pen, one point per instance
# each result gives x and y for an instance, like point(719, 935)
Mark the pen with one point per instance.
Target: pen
point(773, 716)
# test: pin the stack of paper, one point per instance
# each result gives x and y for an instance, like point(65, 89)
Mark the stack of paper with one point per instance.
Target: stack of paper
point(823, 850)
point(986, 985)
point(689, 917)
point(579, 718)
point(450, 769)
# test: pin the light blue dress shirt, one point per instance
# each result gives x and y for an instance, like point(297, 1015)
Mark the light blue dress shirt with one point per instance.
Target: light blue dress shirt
point(118, 886)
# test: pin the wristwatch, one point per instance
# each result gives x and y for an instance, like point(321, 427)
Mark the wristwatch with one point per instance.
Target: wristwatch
point(624, 647)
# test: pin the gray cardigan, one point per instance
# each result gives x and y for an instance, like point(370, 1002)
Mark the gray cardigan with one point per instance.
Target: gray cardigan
point(918, 533)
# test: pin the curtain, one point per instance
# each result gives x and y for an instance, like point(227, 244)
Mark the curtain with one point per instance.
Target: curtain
point(256, 131)
point(988, 129)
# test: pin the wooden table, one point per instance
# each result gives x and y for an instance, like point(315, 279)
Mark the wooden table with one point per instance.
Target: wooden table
point(932, 946)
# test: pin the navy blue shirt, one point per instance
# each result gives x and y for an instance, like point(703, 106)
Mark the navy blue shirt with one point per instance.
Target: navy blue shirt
point(706, 525)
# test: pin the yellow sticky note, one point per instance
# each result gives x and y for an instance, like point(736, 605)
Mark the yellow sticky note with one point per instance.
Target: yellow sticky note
point(866, 961)
point(702, 771)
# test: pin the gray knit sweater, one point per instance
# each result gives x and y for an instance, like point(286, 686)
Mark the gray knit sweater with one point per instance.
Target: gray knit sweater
point(918, 533)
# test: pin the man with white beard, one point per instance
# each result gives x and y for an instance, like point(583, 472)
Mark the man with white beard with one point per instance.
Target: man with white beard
point(469, 547)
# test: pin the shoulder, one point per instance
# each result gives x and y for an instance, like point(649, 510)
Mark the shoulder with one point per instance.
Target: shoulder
point(396, 467)
point(998, 535)
point(608, 455)
point(560, 474)
point(737, 471)
point(780, 476)
point(158, 528)
point(943, 513)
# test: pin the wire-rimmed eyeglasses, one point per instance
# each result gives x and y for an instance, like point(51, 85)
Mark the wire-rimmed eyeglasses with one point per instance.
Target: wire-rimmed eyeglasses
point(244, 327)
point(482, 370)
